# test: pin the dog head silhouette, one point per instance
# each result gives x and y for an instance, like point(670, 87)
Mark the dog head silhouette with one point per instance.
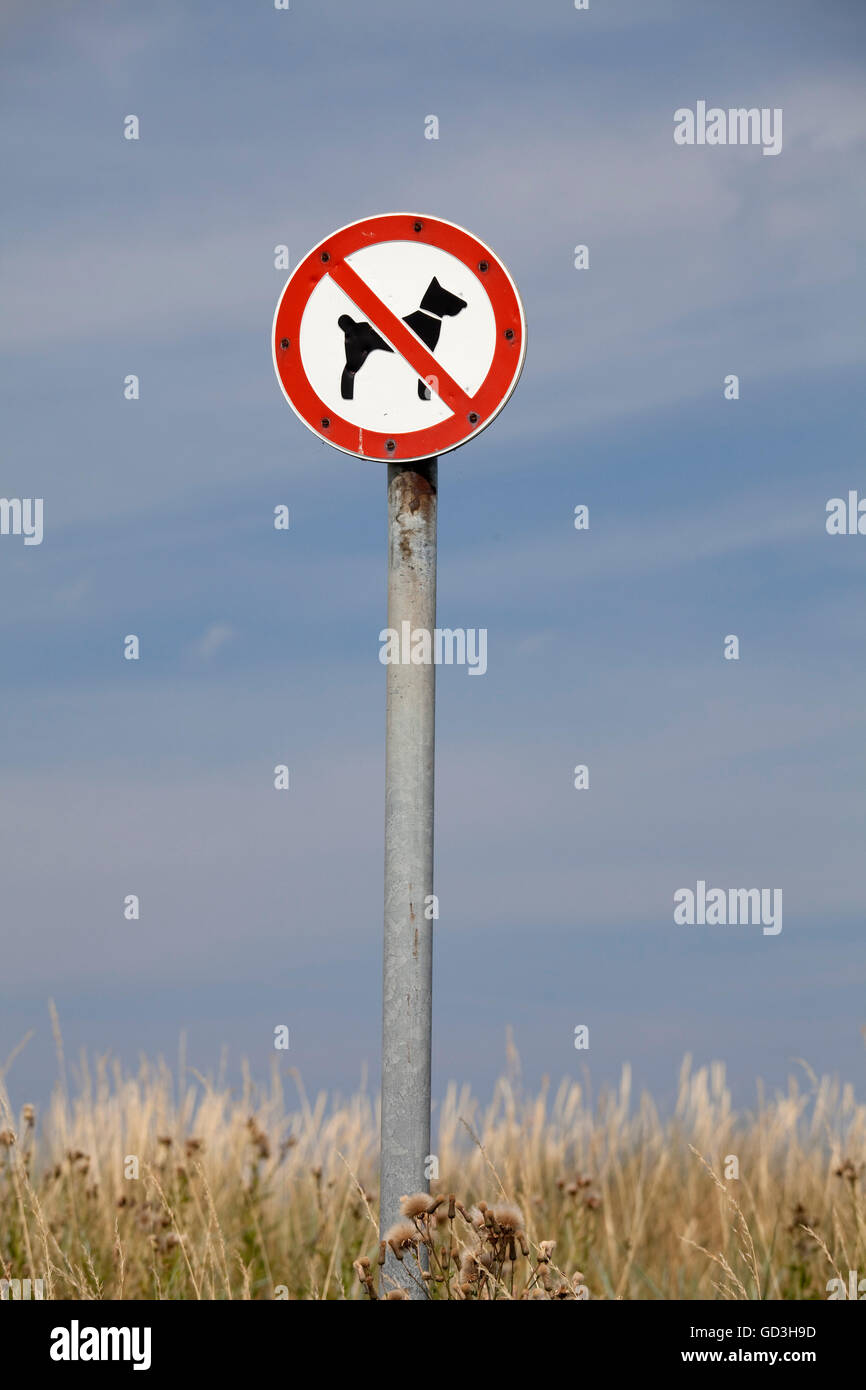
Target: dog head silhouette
point(441, 302)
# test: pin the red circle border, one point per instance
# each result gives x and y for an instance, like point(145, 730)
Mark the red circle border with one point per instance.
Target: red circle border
point(408, 445)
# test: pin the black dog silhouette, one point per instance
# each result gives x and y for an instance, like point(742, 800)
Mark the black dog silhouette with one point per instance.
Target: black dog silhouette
point(362, 339)
point(438, 303)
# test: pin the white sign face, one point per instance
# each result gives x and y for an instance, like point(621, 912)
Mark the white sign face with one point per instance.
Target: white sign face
point(385, 395)
point(399, 337)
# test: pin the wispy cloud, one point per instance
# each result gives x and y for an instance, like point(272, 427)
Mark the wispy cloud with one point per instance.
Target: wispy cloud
point(211, 641)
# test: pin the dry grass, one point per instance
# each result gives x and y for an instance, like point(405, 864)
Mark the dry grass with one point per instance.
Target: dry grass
point(250, 1195)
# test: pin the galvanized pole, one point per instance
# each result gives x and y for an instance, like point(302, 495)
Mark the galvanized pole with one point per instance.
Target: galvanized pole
point(408, 953)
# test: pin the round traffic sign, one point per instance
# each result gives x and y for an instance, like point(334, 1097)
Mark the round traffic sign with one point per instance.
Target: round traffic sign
point(399, 337)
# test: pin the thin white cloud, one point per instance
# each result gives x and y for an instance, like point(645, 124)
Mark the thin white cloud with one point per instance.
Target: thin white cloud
point(211, 641)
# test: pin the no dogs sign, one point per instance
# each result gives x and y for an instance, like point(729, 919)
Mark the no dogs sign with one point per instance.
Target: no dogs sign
point(399, 337)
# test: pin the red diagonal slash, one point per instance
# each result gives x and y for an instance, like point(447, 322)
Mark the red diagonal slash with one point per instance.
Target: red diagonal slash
point(401, 338)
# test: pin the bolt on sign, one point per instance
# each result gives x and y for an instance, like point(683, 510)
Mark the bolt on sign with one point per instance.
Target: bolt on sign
point(399, 337)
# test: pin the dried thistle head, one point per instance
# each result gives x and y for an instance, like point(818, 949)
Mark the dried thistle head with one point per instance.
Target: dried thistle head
point(402, 1237)
point(28, 1115)
point(7, 1139)
point(508, 1218)
point(800, 1218)
point(418, 1204)
point(260, 1140)
point(848, 1171)
point(545, 1251)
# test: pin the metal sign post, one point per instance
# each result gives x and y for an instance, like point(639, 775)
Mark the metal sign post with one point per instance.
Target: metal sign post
point(407, 983)
point(399, 338)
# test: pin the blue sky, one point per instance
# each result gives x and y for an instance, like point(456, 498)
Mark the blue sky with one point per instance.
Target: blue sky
point(605, 647)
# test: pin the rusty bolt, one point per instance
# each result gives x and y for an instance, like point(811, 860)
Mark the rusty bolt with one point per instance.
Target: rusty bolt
point(509, 333)
point(325, 256)
point(418, 226)
point(390, 446)
point(284, 343)
point(326, 424)
point(482, 266)
point(473, 418)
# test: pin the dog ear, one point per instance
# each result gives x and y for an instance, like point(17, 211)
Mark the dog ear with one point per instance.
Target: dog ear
point(434, 287)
